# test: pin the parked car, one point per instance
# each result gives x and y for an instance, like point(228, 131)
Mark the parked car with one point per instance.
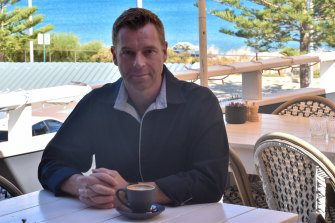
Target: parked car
point(42, 125)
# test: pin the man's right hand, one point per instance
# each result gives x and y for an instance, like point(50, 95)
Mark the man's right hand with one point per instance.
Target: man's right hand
point(92, 190)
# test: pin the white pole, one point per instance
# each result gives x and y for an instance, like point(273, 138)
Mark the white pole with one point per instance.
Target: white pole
point(31, 43)
point(203, 43)
point(139, 3)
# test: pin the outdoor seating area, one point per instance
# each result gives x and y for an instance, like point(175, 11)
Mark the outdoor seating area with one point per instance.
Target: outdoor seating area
point(260, 184)
point(248, 187)
point(296, 170)
point(137, 131)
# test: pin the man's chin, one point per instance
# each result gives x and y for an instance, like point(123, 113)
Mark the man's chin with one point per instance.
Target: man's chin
point(140, 80)
point(139, 85)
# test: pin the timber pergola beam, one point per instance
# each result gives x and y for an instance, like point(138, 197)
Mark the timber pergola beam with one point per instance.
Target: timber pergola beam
point(251, 72)
point(214, 71)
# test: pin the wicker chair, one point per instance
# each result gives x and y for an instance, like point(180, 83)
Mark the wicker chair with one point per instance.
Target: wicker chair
point(7, 189)
point(243, 192)
point(307, 106)
point(294, 175)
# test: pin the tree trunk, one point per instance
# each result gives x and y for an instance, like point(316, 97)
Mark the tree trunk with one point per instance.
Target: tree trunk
point(304, 68)
point(304, 75)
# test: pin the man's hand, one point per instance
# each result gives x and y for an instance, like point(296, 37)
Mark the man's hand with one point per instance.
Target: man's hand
point(98, 189)
point(114, 179)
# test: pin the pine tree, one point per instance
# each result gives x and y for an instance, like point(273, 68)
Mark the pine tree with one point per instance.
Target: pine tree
point(271, 24)
point(14, 26)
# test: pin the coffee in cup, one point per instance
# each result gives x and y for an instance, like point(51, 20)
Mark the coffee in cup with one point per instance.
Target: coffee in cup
point(139, 197)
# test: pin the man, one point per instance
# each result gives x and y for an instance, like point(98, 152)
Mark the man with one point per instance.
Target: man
point(146, 127)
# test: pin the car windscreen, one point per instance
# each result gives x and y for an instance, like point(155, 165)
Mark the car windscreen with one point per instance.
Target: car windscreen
point(39, 129)
point(53, 125)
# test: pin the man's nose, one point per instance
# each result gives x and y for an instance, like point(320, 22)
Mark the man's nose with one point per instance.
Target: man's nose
point(139, 60)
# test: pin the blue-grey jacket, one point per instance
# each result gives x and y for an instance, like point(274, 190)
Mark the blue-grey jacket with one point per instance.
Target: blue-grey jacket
point(183, 148)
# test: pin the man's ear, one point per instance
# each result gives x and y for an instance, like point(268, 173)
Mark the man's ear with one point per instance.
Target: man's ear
point(165, 46)
point(114, 55)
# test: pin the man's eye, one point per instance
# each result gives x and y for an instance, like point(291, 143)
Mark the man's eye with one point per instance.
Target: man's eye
point(149, 51)
point(127, 52)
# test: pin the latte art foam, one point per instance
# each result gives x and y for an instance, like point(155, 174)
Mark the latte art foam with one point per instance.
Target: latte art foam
point(140, 187)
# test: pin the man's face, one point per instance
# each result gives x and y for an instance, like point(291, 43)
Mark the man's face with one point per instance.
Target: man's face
point(140, 57)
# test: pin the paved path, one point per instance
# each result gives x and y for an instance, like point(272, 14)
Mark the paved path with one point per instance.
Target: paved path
point(232, 86)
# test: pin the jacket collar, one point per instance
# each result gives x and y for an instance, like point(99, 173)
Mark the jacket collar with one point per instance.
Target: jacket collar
point(123, 102)
point(174, 92)
point(170, 93)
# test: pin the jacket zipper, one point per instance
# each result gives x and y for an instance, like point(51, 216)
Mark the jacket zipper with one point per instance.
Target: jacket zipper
point(139, 149)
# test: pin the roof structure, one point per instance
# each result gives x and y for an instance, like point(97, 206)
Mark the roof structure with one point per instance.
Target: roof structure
point(28, 76)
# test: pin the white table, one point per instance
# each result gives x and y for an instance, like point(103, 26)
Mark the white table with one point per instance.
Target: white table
point(43, 206)
point(242, 137)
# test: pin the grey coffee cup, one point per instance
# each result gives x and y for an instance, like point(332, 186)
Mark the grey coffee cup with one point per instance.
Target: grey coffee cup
point(139, 197)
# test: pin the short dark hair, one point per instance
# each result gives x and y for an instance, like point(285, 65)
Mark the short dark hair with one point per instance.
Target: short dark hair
point(136, 18)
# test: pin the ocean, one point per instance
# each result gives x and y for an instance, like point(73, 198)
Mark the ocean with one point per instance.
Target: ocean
point(93, 20)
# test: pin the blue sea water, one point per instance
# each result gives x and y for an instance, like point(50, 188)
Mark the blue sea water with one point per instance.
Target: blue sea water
point(93, 20)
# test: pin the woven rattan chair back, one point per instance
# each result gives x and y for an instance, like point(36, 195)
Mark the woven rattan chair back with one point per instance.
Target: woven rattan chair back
point(243, 191)
point(307, 106)
point(7, 189)
point(294, 174)
point(241, 179)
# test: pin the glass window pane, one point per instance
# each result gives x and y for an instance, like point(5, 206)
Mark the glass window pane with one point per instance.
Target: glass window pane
point(3, 136)
point(39, 129)
point(53, 125)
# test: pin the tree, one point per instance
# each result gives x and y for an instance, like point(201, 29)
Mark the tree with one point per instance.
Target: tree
point(185, 46)
point(104, 56)
point(271, 24)
point(63, 46)
point(289, 51)
point(14, 24)
point(88, 50)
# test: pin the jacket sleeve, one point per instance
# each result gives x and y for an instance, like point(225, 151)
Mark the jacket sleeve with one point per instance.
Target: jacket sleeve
point(69, 152)
point(207, 177)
